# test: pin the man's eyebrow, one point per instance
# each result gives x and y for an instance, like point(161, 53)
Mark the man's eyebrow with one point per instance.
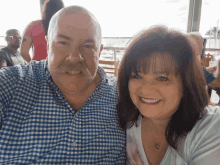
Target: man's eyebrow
point(90, 40)
point(63, 36)
point(68, 38)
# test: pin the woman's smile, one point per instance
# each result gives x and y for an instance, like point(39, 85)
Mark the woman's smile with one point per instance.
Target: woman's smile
point(149, 101)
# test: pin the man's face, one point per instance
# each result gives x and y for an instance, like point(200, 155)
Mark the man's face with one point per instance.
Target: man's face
point(14, 39)
point(73, 53)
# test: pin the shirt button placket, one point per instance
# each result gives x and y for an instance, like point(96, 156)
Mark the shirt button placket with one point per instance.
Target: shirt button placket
point(74, 144)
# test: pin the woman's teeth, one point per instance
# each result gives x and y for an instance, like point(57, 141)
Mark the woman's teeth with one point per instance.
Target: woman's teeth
point(149, 100)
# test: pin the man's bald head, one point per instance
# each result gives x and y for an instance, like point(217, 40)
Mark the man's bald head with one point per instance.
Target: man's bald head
point(74, 47)
point(74, 14)
point(197, 37)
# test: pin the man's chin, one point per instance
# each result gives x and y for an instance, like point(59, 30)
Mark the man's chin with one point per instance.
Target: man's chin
point(74, 90)
point(15, 46)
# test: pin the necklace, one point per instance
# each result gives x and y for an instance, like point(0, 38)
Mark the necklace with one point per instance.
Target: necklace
point(156, 145)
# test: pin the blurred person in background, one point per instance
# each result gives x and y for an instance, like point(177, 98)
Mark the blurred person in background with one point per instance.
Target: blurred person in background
point(212, 81)
point(9, 55)
point(36, 31)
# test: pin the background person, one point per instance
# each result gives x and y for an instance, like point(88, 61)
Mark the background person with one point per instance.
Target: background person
point(35, 32)
point(212, 81)
point(162, 99)
point(9, 56)
point(62, 110)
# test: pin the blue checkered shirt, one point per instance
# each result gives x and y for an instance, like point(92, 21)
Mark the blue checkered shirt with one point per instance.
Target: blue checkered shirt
point(38, 126)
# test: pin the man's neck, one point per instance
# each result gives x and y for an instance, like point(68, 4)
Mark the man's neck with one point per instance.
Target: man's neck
point(12, 48)
point(76, 101)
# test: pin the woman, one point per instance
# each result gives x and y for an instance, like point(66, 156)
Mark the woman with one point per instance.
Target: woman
point(37, 30)
point(162, 100)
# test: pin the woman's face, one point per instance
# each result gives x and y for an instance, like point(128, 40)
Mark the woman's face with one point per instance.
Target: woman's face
point(156, 94)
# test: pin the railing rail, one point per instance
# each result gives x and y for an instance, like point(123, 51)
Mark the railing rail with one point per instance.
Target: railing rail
point(212, 49)
point(115, 60)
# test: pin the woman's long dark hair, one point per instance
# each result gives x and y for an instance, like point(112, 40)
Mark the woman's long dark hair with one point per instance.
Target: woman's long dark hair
point(161, 40)
point(50, 7)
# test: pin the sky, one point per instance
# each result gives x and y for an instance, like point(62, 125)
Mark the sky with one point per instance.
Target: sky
point(118, 18)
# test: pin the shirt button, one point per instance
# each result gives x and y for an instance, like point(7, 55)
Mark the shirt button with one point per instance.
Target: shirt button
point(74, 144)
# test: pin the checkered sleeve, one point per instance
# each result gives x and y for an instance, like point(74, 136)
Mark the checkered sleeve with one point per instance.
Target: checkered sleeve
point(8, 85)
point(121, 157)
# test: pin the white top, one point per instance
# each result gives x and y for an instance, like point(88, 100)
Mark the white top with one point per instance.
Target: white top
point(201, 146)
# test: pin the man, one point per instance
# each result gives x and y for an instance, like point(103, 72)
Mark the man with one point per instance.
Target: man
point(211, 80)
point(9, 56)
point(63, 110)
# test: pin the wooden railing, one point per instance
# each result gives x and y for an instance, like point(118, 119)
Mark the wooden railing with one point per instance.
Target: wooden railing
point(212, 49)
point(111, 67)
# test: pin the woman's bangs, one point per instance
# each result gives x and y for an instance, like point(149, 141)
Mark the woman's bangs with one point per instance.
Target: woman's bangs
point(158, 63)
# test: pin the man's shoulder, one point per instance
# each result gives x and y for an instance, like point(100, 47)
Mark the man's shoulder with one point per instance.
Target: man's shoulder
point(111, 88)
point(4, 50)
point(5, 53)
point(21, 71)
point(32, 26)
point(112, 80)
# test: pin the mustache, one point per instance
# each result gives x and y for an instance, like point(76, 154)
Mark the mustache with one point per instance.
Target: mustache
point(65, 67)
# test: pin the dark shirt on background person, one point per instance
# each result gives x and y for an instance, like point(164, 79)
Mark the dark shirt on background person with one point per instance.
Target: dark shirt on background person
point(9, 56)
point(209, 77)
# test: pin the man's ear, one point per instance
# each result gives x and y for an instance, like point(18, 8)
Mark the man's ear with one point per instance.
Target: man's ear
point(46, 38)
point(101, 48)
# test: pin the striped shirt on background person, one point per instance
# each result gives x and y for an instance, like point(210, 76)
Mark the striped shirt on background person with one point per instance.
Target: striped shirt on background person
point(38, 126)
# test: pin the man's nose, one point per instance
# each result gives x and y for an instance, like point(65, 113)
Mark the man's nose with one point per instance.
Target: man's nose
point(75, 56)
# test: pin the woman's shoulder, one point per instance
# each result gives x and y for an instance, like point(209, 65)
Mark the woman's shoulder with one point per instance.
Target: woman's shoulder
point(32, 26)
point(207, 126)
point(134, 148)
point(34, 23)
point(210, 118)
point(202, 143)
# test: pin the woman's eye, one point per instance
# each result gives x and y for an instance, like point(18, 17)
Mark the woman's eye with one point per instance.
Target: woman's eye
point(162, 78)
point(137, 76)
